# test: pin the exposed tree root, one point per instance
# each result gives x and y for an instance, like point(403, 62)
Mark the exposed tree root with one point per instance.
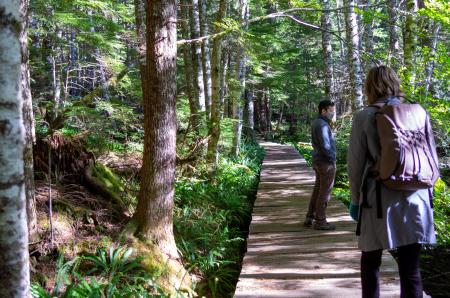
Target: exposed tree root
point(173, 277)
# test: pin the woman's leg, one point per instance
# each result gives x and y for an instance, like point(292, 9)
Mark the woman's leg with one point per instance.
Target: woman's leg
point(370, 272)
point(409, 269)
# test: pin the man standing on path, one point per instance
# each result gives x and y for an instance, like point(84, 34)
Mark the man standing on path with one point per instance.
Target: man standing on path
point(324, 164)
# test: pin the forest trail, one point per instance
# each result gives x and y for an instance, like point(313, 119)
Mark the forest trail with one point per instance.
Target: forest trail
point(284, 258)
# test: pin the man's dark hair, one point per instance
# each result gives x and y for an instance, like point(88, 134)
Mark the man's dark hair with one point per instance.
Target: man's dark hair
point(324, 104)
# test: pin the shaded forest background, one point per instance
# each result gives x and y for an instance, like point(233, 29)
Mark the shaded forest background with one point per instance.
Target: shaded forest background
point(244, 70)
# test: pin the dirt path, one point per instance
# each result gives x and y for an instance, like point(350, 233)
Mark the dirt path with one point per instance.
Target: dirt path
point(284, 258)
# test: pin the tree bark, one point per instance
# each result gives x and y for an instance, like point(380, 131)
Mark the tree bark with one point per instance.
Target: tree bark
point(393, 57)
point(140, 8)
point(214, 128)
point(14, 260)
point(352, 37)
point(28, 121)
point(240, 79)
point(197, 68)
point(206, 59)
point(409, 43)
point(226, 109)
point(367, 37)
point(188, 74)
point(154, 213)
point(327, 50)
point(431, 44)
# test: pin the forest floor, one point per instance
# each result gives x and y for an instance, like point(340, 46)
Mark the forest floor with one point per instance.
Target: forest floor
point(82, 222)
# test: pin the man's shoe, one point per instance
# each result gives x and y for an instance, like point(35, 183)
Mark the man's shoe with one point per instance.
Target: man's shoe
point(308, 222)
point(326, 226)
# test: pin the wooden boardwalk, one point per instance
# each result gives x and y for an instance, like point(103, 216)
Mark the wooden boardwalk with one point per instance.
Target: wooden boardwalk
point(284, 258)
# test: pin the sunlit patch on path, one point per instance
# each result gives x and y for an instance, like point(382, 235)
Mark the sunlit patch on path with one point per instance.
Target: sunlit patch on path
point(284, 258)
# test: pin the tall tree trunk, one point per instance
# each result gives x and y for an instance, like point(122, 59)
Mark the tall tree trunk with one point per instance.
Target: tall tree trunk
point(224, 79)
point(240, 79)
point(352, 37)
point(250, 109)
point(188, 74)
point(367, 37)
point(431, 43)
point(154, 213)
point(197, 68)
point(56, 71)
point(140, 9)
point(14, 260)
point(214, 128)
point(257, 112)
point(393, 58)
point(206, 59)
point(28, 120)
point(409, 43)
point(327, 50)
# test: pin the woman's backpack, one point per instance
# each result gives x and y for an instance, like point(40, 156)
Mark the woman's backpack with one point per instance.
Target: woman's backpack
point(408, 159)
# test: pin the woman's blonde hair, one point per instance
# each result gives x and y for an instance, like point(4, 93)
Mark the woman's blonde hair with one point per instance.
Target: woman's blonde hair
point(381, 82)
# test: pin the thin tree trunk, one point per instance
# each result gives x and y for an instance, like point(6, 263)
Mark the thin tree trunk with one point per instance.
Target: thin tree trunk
point(352, 37)
point(28, 120)
point(140, 8)
point(197, 68)
point(214, 128)
point(14, 261)
point(429, 68)
point(154, 213)
point(188, 74)
point(327, 50)
point(224, 78)
point(409, 43)
point(393, 58)
point(257, 112)
point(56, 71)
point(250, 109)
point(206, 59)
point(240, 79)
point(367, 37)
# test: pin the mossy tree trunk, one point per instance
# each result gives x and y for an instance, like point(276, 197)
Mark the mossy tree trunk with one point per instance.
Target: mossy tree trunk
point(14, 260)
point(154, 213)
point(214, 127)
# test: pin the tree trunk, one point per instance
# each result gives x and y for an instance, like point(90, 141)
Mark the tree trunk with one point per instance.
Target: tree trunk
point(206, 59)
point(393, 57)
point(214, 128)
point(56, 70)
point(250, 109)
point(188, 74)
point(327, 50)
point(197, 68)
point(28, 121)
point(154, 213)
point(140, 8)
point(240, 80)
point(367, 37)
point(431, 44)
point(352, 37)
point(224, 78)
point(409, 43)
point(14, 260)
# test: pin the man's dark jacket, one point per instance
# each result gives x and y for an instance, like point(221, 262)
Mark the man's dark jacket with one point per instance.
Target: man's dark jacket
point(323, 141)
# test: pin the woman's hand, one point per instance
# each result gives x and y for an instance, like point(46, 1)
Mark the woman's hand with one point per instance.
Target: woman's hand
point(354, 211)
